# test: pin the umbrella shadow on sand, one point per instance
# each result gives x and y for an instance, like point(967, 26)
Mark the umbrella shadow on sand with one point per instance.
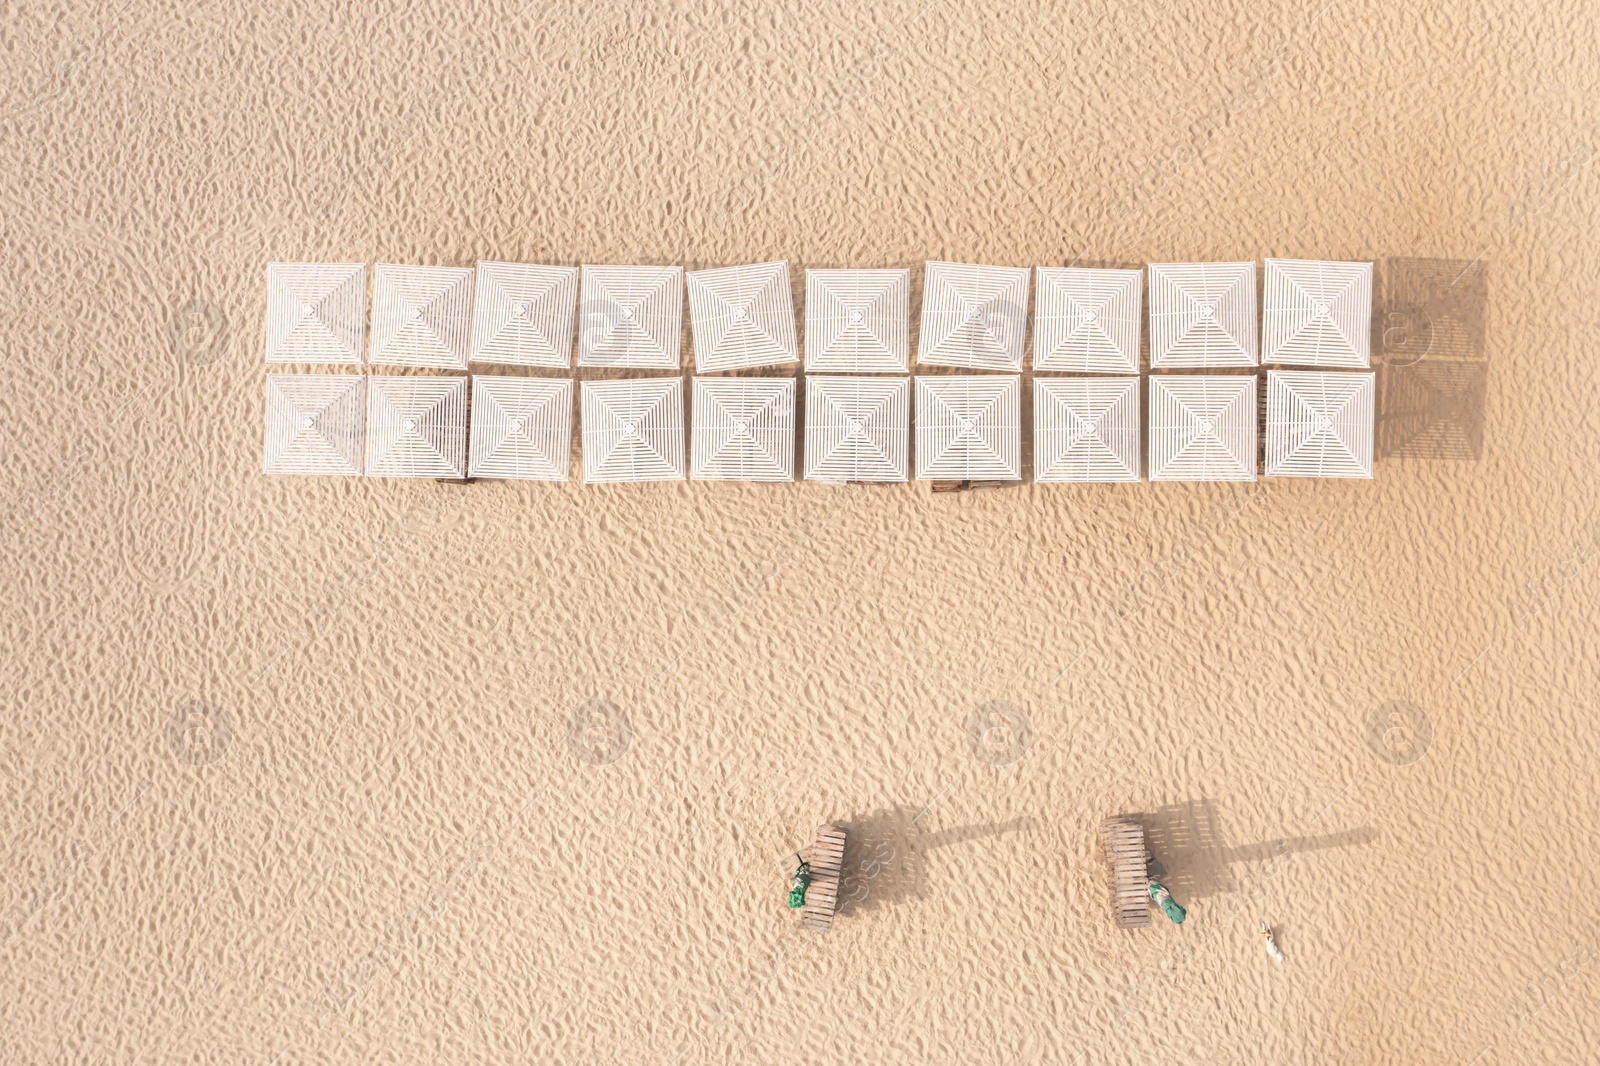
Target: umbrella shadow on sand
point(886, 855)
point(1188, 853)
point(1429, 347)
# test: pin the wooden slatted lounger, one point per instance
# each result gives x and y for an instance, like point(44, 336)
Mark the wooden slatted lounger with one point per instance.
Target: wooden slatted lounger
point(968, 485)
point(827, 867)
point(1127, 872)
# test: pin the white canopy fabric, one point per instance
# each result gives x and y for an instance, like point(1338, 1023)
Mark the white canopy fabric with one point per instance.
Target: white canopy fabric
point(631, 316)
point(421, 316)
point(314, 424)
point(969, 427)
point(1202, 314)
point(1317, 313)
point(742, 316)
point(522, 314)
point(1087, 320)
point(633, 430)
point(857, 428)
point(1086, 429)
point(417, 427)
point(973, 316)
point(743, 429)
point(316, 312)
point(1203, 428)
point(857, 321)
point(521, 428)
point(1319, 424)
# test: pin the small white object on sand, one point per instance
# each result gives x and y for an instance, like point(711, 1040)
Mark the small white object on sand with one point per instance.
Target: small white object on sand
point(1272, 945)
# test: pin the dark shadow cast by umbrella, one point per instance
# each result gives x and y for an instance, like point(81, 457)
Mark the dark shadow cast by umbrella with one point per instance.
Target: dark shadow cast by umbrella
point(886, 855)
point(1271, 849)
point(1429, 330)
point(1185, 853)
point(883, 860)
point(1430, 309)
point(961, 834)
point(1432, 410)
point(1188, 855)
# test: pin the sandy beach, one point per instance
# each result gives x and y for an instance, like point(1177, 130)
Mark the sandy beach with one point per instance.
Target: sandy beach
point(515, 772)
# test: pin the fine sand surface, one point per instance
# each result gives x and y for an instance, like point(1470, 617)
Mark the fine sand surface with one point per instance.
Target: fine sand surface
point(1362, 712)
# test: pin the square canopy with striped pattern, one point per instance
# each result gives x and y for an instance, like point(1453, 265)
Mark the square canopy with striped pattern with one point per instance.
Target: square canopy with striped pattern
point(417, 427)
point(631, 316)
point(1319, 424)
point(316, 312)
point(858, 321)
point(421, 316)
point(1202, 315)
point(743, 429)
point(1203, 428)
point(742, 316)
point(1317, 313)
point(521, 428)
point(522, 314)
point(1087, 320)
point(1086, 429)
point(973, 316)
point(633, 430)
point(857, 428)
point(314, 424)
point(969, 426)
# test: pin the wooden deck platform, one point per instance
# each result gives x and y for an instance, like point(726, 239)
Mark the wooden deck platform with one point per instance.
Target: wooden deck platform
point(827, 868)
point(1127, 872)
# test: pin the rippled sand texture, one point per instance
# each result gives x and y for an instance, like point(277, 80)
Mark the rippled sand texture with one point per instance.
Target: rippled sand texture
point(291, 772)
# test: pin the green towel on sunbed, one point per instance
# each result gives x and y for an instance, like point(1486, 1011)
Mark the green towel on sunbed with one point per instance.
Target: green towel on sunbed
point(1169, 906)
point(797, 891)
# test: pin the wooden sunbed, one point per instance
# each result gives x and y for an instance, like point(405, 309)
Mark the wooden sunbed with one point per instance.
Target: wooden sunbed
point(1127, 872)
point(968, 485)
point(827, 867)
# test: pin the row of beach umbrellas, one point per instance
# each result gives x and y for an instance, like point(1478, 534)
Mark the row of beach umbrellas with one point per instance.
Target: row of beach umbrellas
point(1086, 320)
point(858, 402)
